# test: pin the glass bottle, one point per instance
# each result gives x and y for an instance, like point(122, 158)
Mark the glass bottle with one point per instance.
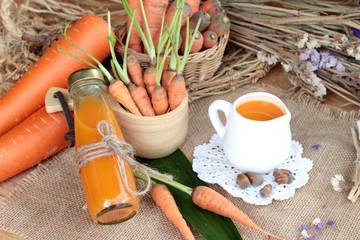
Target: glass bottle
point(108, 200)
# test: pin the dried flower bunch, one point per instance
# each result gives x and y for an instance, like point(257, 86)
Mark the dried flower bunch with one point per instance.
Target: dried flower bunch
point(316, 42)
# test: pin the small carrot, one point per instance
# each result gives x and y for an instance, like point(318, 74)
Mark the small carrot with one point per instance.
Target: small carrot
point(220, 24)
point(135, 70)
point(154, 12)
point(37, 138)
point(150, 79)
point(135, 41)
point(167, 77)
point(215, 11)
point(176, 91)
point(53, 68)
point(194, 5)
point(163, 198)
point(213, 201)
point(197, 44)
point(159, 100)
point(209, 4)
point(142, 100)
point(122, 94)
point(210, 39)
point(205, 20)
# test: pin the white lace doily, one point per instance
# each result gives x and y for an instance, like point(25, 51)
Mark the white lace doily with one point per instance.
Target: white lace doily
point(212, 166)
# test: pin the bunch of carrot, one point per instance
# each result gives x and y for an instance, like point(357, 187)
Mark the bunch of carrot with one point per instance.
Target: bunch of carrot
point(28, 134)
point(202, 196)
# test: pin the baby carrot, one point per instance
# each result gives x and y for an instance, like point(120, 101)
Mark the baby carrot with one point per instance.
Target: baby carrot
point(135, 41)
point(122, 94)
point(197, 44)
point(159, 100)
point(176, 91)
point(154, 12)
point(52, 70)
point(167, 77)
point(150, 79)
point(209, 4)
point(163, 198)
point(205, 20)
point(37, 138)
point(142, 100)
point(135, 70)
point(220, 24)
point(210, 39)
point(213, 201)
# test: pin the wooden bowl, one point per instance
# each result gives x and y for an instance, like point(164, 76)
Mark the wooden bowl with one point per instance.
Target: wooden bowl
point(154, 137)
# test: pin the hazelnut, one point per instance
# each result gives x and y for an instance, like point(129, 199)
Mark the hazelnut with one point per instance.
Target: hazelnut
point(242, 180)
point(278, 171)
point(284, 178)
point(266, 190)
point(255, 179)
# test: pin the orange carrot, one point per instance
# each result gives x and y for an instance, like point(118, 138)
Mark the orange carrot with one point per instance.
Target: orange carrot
point(213, 201)
point(208, 4)
point(176, 91)
point(135, 41)
point(163, 198)
point(37, 138)
point(159, 100)
point(210, 39)
point(154, 12)
point(142, 100)
point(205, 20)
point(215, 11)
point(52, 70)
point(135, 70)
point(150, 79)
point(194, 5)
point(122, 94)
point(198, 42)
point(220, 24)
point(167, 77)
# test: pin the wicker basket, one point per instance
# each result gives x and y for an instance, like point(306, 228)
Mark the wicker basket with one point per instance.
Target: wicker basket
point(199, 67)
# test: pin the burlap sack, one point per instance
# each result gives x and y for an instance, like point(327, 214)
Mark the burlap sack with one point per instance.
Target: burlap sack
point(49, 203)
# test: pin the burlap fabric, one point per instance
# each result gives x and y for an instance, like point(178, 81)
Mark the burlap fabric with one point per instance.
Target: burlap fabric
point(49, 204)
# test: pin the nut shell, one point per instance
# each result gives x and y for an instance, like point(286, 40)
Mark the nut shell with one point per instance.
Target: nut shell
point(243, 181)
point(266, 190)
point(255, 178)
point(284, 178)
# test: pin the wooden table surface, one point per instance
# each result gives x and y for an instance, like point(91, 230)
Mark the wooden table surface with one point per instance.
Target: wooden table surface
point(275, 78)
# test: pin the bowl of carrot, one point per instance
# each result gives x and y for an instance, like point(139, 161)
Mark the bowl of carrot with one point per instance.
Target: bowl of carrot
point(154, 136)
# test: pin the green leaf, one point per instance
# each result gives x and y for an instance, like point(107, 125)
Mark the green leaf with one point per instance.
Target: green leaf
point(210, 225)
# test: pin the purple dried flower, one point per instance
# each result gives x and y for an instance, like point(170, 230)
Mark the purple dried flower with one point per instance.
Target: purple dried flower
point(318, 226)
point(316, 235)
point(305, 55)
point(315, 147)
point(356, 31)
point(305, 227)
point(340, 67)
point(330, 223)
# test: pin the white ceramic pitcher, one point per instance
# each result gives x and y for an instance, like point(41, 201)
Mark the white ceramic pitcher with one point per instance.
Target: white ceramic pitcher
point(252, 145)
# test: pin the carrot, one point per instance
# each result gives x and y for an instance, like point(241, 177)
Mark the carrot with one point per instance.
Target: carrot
point(197, 44)
point(37, 138)
point(163, 198)
point(135, 41)
point(205, 20)
point(176, 91)
point(154, 12)
point(167, 77)
point(135, 70)
point(159, 100)
point(215, 11)
point(220, 24)
point(52, 70)
point(122, 94)
point(142, 100)
point(213, 201)
point(209, 4)
point(210, 39)
point(194, 5)
point(150, 79)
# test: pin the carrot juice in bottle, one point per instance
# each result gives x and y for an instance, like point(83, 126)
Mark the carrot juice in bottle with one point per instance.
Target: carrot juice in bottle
point(107, 196)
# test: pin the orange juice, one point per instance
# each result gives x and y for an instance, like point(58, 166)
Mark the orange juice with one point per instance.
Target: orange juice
point(259, 110)
point(108, 200)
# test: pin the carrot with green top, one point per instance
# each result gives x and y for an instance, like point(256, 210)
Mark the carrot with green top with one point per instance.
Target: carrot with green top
point(135, 40)
point(154, 12)
point(52, 70)
point(135, 70)
point(163, 198)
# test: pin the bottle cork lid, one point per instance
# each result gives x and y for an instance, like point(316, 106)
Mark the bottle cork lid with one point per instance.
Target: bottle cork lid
point(84, 76)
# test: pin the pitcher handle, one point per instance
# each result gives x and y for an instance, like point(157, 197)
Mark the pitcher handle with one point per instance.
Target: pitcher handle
point(215, 107)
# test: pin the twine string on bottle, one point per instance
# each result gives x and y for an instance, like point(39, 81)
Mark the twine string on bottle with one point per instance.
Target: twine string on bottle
point(111, 145)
